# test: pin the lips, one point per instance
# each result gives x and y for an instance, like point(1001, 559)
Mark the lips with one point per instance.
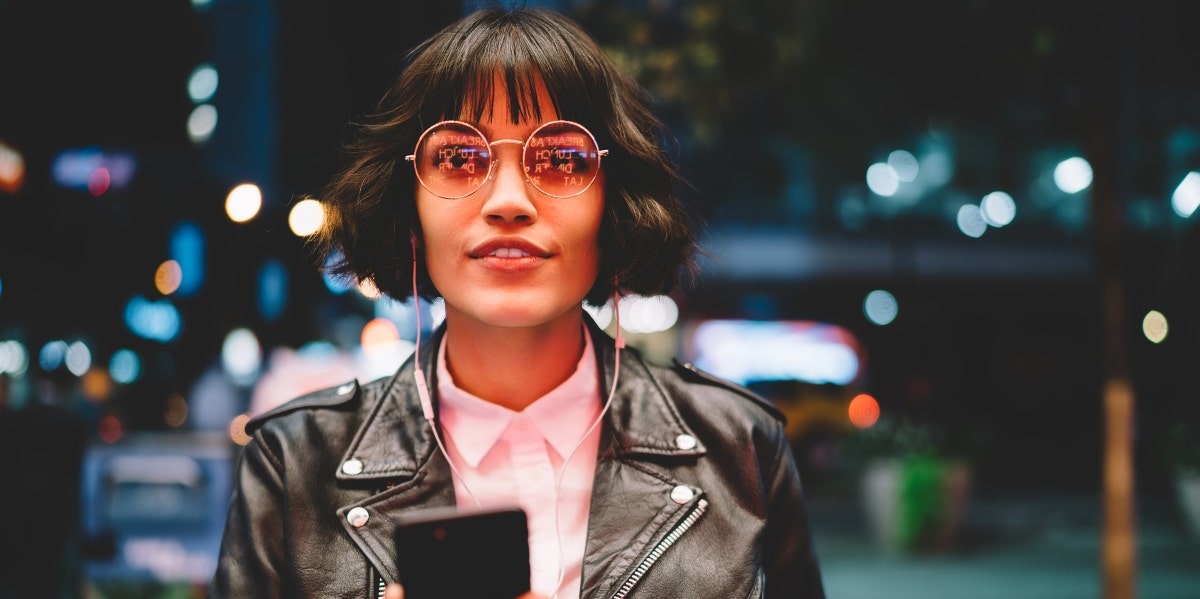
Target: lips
point(508, 249)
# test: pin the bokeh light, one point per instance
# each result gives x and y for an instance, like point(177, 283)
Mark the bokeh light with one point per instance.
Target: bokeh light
point(306, 217)
point(882, 179)
point(243, 202)
point(1073, 175)
point(1186, 197)
point(378, 332)
point(14, 358)
point(125, 366)
point(367, 288)
point(78, 358)
point(175, 410)
point(52, 354)
point(110, 429)
point(202, 83)
point(187, 243)
point(1154, 326)
point(241, 355)
point(602, 315)
point(96, 385)
point(167, 277)
point(201, 123)
point(648, 314)
point(12, 169)
point(880, 307)
point(997, 208)
point(237, 429)
point(905, 165)
point(863, 411)
point(157, 320)
point(970, 221)
point(99, 181)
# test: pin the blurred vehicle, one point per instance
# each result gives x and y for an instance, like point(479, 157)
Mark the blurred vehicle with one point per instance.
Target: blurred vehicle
point(153, 509)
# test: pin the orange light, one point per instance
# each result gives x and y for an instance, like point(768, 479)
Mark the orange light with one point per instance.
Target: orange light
point(167, 277)
point(380, 331)
point(12, 169)
point(237, 429)
point(863, 411)
point(96, 385)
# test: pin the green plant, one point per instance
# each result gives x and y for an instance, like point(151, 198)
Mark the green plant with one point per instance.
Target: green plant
point(929, 473)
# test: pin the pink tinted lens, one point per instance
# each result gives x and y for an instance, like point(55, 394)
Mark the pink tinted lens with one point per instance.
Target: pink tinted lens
point(561, 159)
point(452, 160)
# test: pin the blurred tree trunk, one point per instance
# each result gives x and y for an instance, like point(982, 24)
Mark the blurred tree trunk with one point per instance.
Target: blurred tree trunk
point(1107, 137)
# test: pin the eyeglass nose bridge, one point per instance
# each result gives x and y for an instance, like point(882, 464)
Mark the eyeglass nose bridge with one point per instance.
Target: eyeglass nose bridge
point(495, 161)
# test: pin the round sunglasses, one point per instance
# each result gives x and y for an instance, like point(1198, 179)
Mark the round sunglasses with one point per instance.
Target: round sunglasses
point(454, 159)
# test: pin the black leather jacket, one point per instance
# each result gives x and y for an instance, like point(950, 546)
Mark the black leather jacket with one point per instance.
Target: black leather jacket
point(686, 462)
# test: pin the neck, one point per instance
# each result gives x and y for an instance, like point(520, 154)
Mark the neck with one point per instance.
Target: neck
point(513, 367)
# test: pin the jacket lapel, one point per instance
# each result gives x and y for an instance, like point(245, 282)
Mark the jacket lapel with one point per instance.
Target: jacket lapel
point(635, 500)
point(395, 453)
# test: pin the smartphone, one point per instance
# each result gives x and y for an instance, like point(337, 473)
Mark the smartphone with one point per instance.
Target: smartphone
point(480, 554)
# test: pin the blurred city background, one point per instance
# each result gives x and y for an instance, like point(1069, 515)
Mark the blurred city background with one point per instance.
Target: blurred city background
point(953, 240)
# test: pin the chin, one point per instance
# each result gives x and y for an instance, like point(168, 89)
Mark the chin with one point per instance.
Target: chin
point(519, 310)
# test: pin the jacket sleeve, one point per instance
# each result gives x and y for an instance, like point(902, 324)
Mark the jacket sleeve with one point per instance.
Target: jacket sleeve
point(251, 560)
point(791, 562)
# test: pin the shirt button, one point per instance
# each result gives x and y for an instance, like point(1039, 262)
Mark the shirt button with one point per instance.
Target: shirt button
point(682, 494)
point(346, 388)
point(352, 467)
point(685, 442)
point(357, 517)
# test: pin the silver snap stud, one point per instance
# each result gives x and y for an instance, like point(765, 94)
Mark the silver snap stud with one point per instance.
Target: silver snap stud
point(352, 466)
point(685, 442)
point(682, 494)
point(357, 517)
point(346, 388)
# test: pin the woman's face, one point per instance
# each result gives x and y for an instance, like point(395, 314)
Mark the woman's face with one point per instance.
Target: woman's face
point(509, 255)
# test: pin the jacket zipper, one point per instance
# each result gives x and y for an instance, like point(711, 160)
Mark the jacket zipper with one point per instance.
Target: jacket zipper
point(380, 584)
point(661, 548)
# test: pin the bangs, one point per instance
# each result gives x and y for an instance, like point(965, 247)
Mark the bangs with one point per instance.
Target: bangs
point(516, 51)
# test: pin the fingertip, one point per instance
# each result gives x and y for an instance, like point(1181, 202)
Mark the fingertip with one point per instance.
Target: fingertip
point(393, 591)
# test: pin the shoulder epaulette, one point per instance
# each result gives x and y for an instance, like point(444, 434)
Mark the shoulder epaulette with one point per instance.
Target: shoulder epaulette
point(323, 398)
point(689, 371)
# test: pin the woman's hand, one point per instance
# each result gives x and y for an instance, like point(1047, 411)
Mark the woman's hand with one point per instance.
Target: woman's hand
point(395, 591)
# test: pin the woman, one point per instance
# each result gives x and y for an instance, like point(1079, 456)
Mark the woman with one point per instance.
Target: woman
point(513, 171)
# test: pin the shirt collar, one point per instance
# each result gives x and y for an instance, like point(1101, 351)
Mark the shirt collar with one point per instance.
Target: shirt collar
point(561, 416)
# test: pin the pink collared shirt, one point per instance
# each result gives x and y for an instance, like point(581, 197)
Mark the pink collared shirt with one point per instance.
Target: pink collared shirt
point(516, 458)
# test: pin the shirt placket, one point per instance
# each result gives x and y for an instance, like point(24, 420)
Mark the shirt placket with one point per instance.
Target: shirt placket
point(536, 487)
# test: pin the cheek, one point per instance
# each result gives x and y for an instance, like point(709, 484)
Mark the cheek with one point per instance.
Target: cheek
point(433, 221)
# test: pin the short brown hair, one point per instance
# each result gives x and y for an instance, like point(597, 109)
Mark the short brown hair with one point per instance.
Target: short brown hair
point(646, 237)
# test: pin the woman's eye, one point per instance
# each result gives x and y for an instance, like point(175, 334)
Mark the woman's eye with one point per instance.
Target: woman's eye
point(451, 159)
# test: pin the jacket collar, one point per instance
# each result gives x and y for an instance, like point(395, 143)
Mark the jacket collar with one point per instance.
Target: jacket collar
point(394, 439)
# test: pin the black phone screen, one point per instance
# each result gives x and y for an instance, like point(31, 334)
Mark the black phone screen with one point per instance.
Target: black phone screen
point(444, 552)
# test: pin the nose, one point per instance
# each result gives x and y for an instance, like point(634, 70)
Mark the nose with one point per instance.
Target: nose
point(508, 199)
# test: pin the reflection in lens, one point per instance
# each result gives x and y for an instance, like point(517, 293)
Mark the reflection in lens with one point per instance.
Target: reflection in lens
point(453, 160)
point(561, 159)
